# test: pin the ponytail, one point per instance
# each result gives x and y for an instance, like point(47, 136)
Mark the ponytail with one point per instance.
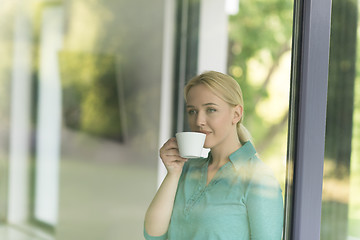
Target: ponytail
point(243, 134)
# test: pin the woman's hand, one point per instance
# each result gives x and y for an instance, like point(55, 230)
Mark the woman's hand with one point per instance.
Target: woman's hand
point(158, 215)
point(169, 153)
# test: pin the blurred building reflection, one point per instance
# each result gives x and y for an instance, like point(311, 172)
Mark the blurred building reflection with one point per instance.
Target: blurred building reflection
point(83, 111)
point(89, 90)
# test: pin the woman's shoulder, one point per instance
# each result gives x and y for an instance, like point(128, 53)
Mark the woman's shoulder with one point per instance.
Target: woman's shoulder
point(262, 174)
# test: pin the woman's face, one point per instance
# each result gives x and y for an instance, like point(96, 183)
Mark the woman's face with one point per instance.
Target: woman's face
point(209, 114)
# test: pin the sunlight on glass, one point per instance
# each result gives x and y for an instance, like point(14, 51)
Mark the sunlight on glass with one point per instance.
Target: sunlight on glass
point(354, 199)
point(260, 47)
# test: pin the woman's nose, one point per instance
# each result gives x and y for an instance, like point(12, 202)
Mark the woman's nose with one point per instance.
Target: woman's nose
point(200, 119)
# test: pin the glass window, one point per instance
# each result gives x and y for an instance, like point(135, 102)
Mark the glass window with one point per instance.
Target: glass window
point(260, 58)
point(251, 41)
point(80, 98)
point(256, 51)
point(86, 99)
point(340, 217)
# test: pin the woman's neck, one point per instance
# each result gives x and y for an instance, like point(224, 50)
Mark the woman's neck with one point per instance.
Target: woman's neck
point(220, 154)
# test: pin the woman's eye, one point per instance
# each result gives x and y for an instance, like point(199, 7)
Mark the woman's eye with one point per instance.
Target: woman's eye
point(192, 112)
point(211, 110)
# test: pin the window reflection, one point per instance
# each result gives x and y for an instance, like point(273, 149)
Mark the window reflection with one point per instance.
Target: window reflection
point(259, 59)
point(341, 200)
point(91, 88)
point(108, 57)
point(48, 117)
point(106, 143)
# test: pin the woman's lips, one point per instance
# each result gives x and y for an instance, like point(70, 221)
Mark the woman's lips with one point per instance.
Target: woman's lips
point(205, 132)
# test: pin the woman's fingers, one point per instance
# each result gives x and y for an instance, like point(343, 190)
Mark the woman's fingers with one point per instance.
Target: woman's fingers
point(169, 153)
point(170, 147)
point(170, 144)
point(172, 155)
point(170, 159)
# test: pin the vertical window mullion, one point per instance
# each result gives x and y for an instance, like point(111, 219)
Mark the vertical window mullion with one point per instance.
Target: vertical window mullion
point(311, 119)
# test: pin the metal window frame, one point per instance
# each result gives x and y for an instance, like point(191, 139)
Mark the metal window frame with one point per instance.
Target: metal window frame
point(312, 22)
point(186, 55)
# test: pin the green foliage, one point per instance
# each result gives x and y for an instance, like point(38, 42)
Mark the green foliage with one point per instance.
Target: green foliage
point(261, 31)
point(90, 89)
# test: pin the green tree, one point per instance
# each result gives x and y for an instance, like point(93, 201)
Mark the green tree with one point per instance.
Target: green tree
point(261, 26)
point(339, 123)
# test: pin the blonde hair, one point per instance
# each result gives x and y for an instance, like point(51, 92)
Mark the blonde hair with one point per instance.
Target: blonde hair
point(225, 87)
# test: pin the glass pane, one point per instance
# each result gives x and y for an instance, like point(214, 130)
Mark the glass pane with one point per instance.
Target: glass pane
point(341, 185)
point(80, 98)
point(259, 59)
point(79, 115)
point(110, 69)
point(251, 41)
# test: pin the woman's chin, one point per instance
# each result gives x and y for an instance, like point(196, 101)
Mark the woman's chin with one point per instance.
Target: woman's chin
point(207, 145)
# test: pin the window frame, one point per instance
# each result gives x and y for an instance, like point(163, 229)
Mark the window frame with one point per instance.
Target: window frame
point(312, 20)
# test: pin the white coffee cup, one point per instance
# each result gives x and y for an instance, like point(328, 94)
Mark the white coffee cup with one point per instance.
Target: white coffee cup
point(190, 144)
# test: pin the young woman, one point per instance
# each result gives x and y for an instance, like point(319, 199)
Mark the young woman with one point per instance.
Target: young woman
point(231, 194)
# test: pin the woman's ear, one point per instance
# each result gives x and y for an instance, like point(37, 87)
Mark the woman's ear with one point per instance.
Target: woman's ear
point(238, 113)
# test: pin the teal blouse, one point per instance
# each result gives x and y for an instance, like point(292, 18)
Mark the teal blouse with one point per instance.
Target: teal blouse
point(243, 201)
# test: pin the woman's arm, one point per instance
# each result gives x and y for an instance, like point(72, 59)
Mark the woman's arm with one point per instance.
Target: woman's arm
point(158, 215)
point(265, 207)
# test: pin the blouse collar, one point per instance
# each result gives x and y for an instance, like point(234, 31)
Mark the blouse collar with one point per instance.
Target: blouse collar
point(241, 156)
